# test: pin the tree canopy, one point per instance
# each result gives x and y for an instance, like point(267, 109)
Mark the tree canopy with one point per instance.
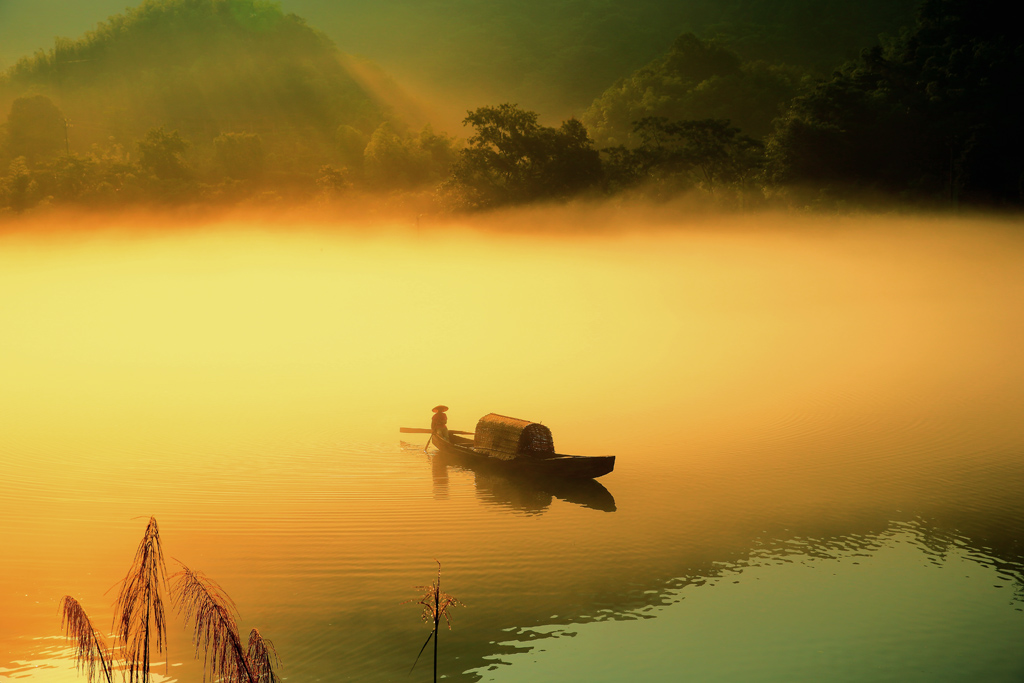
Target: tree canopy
point(511, 158)
point(933, 115)
point(695, 80)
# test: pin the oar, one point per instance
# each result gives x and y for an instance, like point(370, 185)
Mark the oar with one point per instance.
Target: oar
point(417, 430)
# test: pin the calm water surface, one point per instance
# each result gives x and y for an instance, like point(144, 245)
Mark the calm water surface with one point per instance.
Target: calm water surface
point(818, 426)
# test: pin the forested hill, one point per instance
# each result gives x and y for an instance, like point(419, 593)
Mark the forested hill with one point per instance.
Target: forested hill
point(556, 56)
point(932, 115)
point(221, 100)
point(551, 56)
point(203, 67)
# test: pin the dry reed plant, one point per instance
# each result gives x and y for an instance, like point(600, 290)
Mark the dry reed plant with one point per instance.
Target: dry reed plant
point(202, 601)
point(91, 652)
point(262, 657)
point(436, 604)
point(139, 609)
point(139, 619)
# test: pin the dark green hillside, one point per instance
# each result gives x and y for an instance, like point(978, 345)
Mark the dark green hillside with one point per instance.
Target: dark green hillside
point(742, 60)
point(696, 79)
point(551, 56)
point(934, 116)
point(815, 34)
point(203, 68)
point(556, 56)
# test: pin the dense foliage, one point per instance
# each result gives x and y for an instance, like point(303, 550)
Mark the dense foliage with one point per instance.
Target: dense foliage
point(222, 101)
point(513, 159)
point(812, 34)
point(934, 115)
point(673, 156)
point(696, 79)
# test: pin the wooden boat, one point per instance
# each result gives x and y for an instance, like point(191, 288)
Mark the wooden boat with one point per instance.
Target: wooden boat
point(521, 447)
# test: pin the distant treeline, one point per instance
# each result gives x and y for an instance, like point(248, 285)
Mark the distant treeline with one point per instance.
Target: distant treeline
point(226, 101)
point(556, 56)
point(551, 56)
point(932, 116)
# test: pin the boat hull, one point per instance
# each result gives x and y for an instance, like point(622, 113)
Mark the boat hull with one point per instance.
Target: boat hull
point(561, 466)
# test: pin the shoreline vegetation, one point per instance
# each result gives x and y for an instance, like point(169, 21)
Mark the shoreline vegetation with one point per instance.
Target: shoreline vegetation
point(245, 108)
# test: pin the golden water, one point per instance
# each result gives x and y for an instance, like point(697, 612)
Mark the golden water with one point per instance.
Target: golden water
point(818, 426)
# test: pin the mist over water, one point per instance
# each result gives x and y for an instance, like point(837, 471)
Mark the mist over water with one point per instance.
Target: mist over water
point(817, 424)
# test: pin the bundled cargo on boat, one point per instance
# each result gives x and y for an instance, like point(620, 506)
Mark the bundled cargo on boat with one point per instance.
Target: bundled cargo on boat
point(508, 438)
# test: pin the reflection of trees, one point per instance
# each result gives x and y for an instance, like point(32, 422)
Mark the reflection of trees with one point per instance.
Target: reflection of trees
point(530, 495)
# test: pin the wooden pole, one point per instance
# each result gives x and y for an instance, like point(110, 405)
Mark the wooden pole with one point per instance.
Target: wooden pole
point(419, 430)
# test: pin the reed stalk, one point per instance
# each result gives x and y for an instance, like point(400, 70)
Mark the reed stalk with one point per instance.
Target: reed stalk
point(139, 618)
point(203, 602)
point(91, 652)
point(262, 657)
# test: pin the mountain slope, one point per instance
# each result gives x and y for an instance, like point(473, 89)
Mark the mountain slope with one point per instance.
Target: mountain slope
point(202, 67)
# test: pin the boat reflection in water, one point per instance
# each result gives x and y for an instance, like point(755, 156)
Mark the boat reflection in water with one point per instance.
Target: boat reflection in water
point(532, 495)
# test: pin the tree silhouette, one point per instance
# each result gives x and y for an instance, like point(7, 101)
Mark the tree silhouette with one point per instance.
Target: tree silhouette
point(708, 153)
point(18, 185)
point(161, 154)
point(511, 158)
point(695, 80)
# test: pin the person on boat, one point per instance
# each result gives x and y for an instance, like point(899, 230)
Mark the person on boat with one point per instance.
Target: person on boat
point(438, 425)
point(439, 422)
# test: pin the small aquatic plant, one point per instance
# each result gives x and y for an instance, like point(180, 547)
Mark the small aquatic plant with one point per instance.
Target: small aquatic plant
point(436, 604)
